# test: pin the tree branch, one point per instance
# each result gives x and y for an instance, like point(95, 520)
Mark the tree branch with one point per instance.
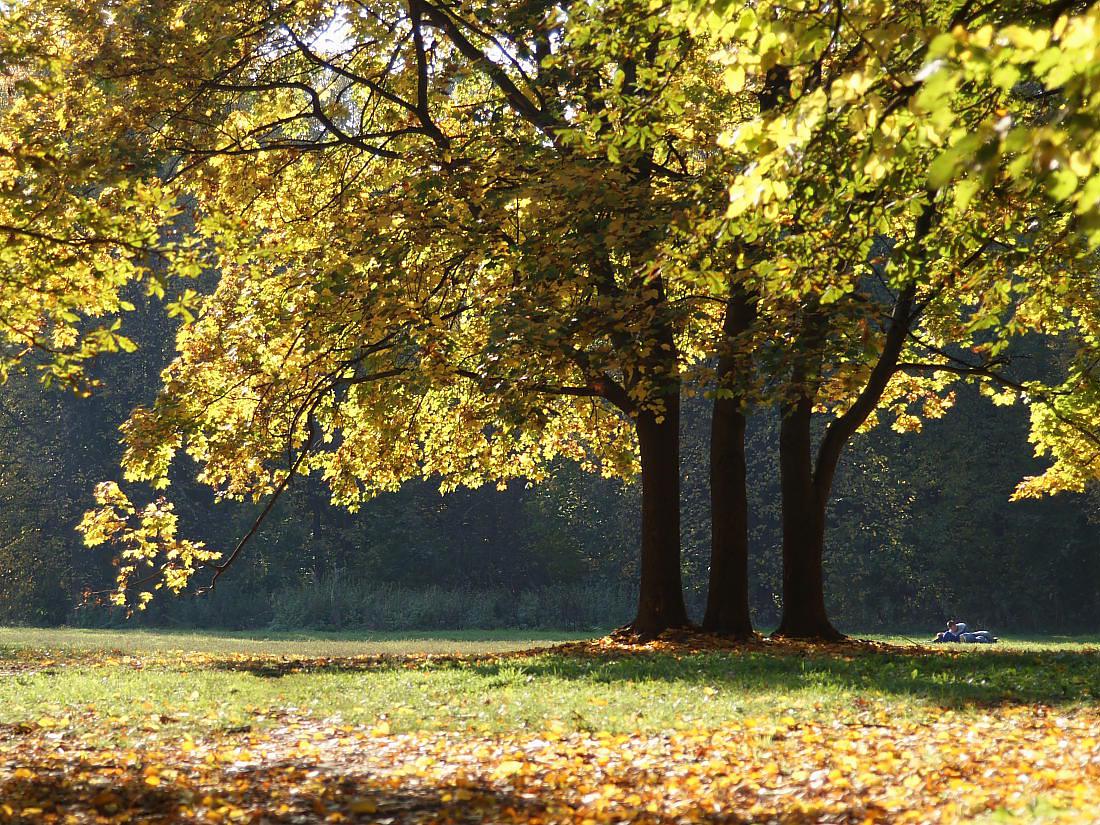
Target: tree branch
point(318, 110)
point(519, 102)
point(423, 112)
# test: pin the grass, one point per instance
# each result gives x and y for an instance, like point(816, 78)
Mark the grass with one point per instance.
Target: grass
point(140, 690)
point(313, 643)
point(413, 681)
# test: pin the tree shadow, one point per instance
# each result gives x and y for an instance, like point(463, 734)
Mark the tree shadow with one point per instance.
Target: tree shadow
point(324, 793)
point(950, 677)
point(117, 794)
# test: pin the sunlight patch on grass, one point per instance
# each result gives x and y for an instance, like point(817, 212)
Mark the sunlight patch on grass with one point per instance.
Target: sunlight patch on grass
point(276, 643)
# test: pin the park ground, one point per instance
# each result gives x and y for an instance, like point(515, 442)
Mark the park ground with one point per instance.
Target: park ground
point(113, 727)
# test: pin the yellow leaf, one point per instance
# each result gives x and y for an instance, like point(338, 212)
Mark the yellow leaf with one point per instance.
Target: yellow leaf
point(734, 78)
point(509, 767)
point(363, 806)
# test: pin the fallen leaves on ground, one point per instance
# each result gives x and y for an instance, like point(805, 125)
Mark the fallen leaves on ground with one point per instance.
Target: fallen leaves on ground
point(876, 770)
point(688, 641)
point(83, 765)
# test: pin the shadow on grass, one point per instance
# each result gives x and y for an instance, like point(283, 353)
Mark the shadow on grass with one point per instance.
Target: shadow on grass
point(946, 676)
point(312, 793)
point(984, 677)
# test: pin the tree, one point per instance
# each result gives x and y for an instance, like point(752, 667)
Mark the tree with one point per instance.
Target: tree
point(895, 252)
point(465, 243)
point(493, 278)
point(727, 610)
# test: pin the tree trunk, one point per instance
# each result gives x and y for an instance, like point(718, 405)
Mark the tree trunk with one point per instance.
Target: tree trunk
point(728, 589)
point(316, 504)
point(804, 615)
point(807, 484)
point(660, 595)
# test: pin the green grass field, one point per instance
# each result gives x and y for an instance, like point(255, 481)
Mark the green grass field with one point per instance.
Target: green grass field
point(15, 639)
point(410, 677)
point(792, 732)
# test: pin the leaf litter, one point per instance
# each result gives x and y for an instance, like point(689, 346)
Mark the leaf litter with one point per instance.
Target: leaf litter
point(293, 767)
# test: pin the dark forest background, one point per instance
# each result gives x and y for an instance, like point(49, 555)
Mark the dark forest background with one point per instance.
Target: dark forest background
point(921, 528)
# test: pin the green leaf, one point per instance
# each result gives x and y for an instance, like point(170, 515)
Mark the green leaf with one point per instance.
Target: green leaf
point(1063, 183)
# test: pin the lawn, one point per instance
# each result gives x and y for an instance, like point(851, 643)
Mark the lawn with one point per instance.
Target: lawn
point(115, 727)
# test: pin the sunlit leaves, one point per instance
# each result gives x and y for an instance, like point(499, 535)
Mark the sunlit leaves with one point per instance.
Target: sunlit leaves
point(151, 554)
point(429, 264)
point(1045, 138)
point(987, 123)
point(465, 243)
point(82, 215)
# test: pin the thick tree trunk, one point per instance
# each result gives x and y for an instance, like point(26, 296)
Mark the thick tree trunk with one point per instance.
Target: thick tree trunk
point(660, 595)
point(728, 589)
point(804, 615)
point(807, 484)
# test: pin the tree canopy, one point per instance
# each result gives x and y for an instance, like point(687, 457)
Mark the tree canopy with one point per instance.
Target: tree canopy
point(464, 243)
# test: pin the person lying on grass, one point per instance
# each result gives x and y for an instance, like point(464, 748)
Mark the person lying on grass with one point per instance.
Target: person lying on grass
point(958, 632)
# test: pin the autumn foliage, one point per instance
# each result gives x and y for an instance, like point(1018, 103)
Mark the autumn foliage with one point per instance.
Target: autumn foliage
point(421, 240)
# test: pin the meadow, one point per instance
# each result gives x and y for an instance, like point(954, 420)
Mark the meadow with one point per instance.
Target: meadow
point(99, 726)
